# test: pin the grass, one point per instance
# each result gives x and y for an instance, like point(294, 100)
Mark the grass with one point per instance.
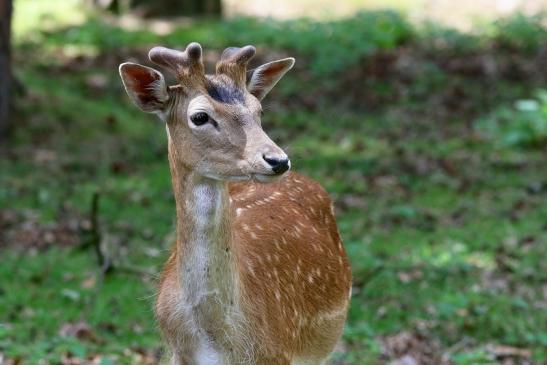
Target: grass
point(445, 227)
point(57, 294)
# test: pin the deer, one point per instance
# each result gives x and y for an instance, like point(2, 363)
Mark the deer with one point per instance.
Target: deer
point(258, 273)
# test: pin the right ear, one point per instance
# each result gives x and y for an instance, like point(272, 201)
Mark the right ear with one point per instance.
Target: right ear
point(264, 78)
point(145, 86)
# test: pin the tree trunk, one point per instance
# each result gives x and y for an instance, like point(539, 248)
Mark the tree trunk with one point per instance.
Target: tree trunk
point(5, 66)
point(152, 8)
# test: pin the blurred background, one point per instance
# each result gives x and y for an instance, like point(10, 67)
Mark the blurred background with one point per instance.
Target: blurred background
point(426, 120)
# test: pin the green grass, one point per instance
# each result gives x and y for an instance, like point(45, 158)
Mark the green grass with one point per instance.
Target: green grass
point(445, 227)
point(55, 293)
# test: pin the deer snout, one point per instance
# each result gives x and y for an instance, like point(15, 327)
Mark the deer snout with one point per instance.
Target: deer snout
point(268, 157)
point(278, 164)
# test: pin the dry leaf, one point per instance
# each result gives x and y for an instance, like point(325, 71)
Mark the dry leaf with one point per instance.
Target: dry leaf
point(81, 330)
point(506, 351)
point(89, 283)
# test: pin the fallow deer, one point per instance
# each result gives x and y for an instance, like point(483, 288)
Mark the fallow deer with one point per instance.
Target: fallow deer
point(258, 274)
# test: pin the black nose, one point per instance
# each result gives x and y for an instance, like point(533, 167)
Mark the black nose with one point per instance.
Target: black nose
point(279, 165)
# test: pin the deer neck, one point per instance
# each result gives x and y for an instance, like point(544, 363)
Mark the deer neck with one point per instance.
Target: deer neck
point(205, 263)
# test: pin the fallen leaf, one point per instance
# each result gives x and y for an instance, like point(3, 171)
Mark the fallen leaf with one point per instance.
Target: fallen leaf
point(89, 283)
point(80, 330)
point(507, 351)
point(404, 360)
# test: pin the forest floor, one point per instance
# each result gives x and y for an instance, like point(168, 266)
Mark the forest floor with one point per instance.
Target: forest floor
point(432, 144)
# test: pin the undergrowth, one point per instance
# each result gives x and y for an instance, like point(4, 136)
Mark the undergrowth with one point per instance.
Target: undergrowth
point(440, 187)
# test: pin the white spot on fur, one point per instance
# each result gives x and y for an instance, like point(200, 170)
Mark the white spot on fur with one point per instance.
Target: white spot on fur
point(250, 268)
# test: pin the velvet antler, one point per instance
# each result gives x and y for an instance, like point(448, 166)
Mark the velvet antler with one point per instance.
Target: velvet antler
point(233, 63)
point(187, 66)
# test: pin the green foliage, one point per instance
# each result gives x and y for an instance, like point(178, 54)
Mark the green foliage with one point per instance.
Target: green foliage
point(343, 42)
point(521, 32)
point(517, 32)
point(524, 124)
point(475, 357)
point(436, 37)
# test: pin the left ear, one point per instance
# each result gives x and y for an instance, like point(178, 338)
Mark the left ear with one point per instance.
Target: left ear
point(264, 78)
point(145, 86)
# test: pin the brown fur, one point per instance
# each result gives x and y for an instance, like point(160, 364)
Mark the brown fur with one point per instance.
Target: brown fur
point(290, 315)
point(300, 273)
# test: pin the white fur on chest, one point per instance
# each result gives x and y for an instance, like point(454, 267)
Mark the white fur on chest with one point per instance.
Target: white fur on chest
point(203, 244)
point(209, 304)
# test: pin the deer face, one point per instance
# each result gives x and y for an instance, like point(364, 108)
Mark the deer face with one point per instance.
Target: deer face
point(212, 121)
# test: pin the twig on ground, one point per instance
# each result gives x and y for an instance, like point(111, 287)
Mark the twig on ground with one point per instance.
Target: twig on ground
point(95, 239)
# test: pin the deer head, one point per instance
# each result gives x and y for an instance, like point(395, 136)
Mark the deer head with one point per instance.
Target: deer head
point(213, 122)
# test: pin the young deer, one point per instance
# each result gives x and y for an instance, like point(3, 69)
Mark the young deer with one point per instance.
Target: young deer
point(258, 274)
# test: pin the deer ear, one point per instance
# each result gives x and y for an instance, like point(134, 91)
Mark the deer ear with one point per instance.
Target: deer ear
point(264, 78)
point(145, 86)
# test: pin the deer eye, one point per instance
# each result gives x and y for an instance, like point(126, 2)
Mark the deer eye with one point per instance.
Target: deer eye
point(199, 118)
